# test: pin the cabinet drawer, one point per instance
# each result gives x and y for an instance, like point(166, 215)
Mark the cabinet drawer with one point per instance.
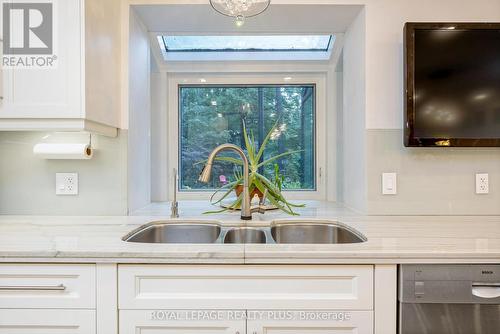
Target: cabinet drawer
point(176, 322)
point(47, 321)
point(245, 287)
point(47, 286)
point(314, 322)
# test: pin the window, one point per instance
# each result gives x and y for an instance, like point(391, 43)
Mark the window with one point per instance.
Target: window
point(210, 115)
point(246, 48)
point(263, 43)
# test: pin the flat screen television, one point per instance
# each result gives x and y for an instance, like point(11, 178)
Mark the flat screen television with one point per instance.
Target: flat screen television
point(452, 84)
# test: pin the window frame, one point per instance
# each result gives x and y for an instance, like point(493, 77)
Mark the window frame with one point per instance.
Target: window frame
point(176, 81)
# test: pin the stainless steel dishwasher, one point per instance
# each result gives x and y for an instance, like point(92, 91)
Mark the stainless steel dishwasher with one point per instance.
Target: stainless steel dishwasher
point(449, 299)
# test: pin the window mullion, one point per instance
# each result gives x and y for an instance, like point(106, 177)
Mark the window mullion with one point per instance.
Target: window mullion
point(261, 124)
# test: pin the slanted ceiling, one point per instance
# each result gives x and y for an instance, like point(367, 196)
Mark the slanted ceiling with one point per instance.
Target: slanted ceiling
point(202, 19)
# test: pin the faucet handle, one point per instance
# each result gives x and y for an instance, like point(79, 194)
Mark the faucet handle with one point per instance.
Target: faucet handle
point(262, 201)
point(261, 208)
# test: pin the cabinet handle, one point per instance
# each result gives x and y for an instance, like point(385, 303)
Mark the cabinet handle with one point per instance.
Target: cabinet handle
point(59, 287)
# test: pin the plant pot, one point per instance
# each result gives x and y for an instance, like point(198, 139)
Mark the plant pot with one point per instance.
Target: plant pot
point(255, 192)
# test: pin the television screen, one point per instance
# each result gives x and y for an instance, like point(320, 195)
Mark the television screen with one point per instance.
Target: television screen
point(453, 85)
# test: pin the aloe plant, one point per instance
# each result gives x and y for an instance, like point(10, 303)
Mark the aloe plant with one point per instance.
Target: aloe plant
point(256, 180)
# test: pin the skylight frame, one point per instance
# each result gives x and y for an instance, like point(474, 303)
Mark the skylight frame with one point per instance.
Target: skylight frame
point(165, 50)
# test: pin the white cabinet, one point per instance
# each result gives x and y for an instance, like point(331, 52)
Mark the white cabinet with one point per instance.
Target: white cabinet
point(191, 299)
point(175, 322)
point(47, 286)
point(52, 92)
point(316, 322)
point(348, 287)
point(47, 322)
point(47, 299)
point(284, 299)
point(258, 322)
point(82, 92)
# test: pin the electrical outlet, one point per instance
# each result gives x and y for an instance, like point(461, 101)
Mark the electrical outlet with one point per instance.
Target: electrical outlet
point(66, 183)
point(482, 184)
point(389, 184)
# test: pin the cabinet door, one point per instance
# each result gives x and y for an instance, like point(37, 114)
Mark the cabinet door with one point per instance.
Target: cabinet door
point(5, 74)
point(177, 322)
point(311, 322)
point(47, 322)
point(47, 286)
point(346, 287)
point(33, 92)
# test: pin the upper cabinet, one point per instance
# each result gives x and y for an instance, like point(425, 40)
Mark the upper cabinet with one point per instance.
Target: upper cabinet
point(61, 66)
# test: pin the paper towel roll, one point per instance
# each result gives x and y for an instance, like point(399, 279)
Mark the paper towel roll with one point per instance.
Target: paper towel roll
point(63, 151)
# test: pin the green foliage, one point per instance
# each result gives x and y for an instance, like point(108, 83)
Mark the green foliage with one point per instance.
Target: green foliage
point(213, 115)
point(278, 178)
point(257, 180)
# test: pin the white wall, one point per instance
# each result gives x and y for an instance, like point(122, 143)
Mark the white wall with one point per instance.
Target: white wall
point(27, 183)
point(139, 140)
point(431, 181)
point(384, 47)
point(353, 112)
point(159, 141)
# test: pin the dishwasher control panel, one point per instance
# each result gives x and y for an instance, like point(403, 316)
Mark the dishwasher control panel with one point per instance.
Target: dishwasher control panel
point(449, 283)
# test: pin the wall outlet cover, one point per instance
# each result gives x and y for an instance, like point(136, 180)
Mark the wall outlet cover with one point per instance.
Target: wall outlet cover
point(66, 184)
point(482, 184)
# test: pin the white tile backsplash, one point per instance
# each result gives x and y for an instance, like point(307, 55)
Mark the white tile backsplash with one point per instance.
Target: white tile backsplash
point(27, 183)
point(431, 181)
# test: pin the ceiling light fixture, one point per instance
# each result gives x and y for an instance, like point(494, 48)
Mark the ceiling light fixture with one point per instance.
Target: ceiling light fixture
point(240, 9)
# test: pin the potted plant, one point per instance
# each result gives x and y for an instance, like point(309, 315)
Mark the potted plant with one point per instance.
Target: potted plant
point(258, 183)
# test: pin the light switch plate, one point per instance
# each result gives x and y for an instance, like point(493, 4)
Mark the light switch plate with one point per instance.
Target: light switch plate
point(482, 184)
point(66, 183)
point(389, 184)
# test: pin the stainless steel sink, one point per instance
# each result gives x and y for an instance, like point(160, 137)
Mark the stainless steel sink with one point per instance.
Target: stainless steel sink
point(245, 235)
point(176, 233)
point(302, 232)
point(279, 232)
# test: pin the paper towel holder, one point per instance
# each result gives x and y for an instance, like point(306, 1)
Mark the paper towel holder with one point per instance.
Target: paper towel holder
point(65, 151)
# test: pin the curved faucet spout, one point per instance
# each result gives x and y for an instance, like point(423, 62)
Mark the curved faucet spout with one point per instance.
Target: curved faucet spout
point(207, 172)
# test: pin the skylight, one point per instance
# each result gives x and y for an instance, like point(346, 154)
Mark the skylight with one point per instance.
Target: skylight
point(269, 43)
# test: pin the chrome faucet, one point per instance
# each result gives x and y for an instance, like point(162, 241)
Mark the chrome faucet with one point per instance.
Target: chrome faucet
point(246, 213)
point(174, 208)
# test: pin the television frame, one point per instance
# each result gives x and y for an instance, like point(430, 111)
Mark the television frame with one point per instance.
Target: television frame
point(409, 105)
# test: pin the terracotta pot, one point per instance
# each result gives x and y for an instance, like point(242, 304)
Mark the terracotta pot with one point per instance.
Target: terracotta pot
point(255, 192)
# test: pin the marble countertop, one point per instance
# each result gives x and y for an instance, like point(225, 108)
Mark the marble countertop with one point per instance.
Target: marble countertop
point(391, 239)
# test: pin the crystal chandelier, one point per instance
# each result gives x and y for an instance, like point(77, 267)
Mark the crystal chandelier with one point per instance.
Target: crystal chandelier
point(240, 9)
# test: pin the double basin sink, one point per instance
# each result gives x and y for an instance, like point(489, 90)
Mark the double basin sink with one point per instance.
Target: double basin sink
point(286, 232)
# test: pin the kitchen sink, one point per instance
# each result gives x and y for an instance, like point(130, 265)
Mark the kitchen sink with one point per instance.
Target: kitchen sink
point(176, 233)
point(303, 232)
point(245, 235)
point(279, 232)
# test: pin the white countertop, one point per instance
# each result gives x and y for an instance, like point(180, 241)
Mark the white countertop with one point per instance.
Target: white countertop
point(391, 239)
